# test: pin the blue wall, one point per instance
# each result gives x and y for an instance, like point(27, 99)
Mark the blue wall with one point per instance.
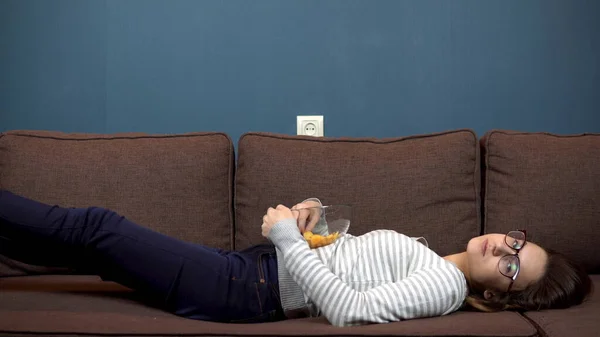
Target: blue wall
point(373, 68)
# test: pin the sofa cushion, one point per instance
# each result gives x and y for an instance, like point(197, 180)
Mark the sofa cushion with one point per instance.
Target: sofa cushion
point(11, 267)
point(180, 185)
point(84, 305)
point(424, 185)
point(548, 184)
point(580, 321)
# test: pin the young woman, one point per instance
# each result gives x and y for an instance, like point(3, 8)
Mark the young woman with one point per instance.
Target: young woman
point(378, 277)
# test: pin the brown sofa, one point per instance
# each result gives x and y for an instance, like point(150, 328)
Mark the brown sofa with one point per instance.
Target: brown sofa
point(447, 187)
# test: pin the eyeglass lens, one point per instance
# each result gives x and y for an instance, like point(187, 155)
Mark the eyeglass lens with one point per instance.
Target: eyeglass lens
point(509, 265)
point(515, 240)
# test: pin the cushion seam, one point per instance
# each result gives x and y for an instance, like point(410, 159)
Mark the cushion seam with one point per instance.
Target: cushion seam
point(519, 133)
point(353, 140)
point(109, 137)
point(487, 186)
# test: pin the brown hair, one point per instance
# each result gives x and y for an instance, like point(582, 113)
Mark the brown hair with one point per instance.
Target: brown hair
point(563, 284)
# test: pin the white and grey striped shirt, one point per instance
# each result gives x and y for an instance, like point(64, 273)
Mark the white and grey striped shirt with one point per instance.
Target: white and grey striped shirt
point(379, 277)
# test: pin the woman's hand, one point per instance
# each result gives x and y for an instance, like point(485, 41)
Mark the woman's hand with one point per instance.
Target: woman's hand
point(307, 215)
point(273, 216)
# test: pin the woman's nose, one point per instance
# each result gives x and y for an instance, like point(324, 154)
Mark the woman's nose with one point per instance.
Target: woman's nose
point(501, 250)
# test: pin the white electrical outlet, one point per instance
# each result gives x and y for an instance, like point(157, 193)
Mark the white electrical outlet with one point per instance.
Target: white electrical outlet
point(309, 126)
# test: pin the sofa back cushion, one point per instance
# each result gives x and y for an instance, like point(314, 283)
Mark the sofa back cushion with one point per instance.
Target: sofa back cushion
point(421, 186)
point(548, 184)
point(179, 185)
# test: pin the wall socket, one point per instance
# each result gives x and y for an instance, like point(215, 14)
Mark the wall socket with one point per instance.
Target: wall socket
point(309, 126)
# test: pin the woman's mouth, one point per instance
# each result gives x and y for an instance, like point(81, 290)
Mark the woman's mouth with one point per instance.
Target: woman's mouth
point(484, 247)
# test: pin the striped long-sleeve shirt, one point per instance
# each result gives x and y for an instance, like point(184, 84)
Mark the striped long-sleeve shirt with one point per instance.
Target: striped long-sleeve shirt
point(378, 277)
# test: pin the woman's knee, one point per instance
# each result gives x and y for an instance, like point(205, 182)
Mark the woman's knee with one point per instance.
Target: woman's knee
point(100, 217)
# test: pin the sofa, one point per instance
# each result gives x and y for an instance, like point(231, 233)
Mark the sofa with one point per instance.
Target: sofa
point(199, 187)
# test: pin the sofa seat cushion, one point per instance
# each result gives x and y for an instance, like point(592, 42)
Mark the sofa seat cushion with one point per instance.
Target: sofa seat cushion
point(179, 185)
point(580, 321)
point(426, 185)
point(85, 305)
point(549, 185)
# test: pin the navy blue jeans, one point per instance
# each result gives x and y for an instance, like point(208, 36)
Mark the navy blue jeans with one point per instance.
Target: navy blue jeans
point(189, 280)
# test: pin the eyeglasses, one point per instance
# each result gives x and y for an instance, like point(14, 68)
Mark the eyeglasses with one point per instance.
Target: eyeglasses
point(510, 265)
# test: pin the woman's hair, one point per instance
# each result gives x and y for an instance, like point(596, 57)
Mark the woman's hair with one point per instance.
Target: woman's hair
point(563, 284)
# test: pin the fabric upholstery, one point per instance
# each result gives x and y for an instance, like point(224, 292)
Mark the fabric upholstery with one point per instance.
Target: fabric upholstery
point(84, 305)
point(179, 185)
point(581, 321)
point(550, 186)
point(421, 186)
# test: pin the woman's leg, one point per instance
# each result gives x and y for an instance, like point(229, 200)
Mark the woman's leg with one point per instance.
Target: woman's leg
point(190, 280)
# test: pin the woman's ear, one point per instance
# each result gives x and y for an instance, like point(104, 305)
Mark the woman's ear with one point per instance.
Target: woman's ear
point(488, 294)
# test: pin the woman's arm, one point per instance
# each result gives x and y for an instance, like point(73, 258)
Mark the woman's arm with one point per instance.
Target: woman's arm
point(427, 292)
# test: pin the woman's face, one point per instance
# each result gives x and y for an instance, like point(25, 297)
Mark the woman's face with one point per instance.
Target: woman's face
point(484, 253)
